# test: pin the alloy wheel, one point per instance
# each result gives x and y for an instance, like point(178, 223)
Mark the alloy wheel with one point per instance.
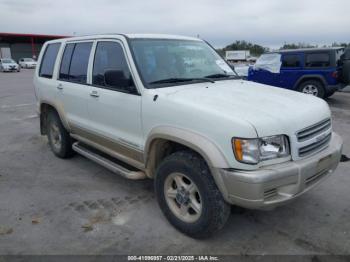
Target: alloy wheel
point(310, 90)
point(183, 197)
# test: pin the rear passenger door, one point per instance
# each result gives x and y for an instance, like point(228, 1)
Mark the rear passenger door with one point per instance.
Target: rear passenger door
point(290, 70)
point(115, 103)
point(73, 90)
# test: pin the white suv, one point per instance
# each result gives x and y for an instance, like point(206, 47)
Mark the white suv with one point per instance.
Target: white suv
point(170, 108)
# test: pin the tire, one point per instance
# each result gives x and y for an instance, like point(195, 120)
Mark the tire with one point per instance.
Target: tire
point(213, 210)
point(329, 94)
point(312, 87)
point(59, 139)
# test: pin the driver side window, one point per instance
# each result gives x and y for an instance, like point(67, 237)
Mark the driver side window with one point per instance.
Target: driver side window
point(110, 69)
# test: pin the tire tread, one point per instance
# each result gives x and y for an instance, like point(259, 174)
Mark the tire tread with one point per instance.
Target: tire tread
point(219, 209)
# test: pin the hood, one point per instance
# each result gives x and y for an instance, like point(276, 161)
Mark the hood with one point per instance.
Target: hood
point(9, 64)
point(270, 110)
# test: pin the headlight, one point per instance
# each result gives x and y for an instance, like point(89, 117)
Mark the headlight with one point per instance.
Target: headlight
point(252, 151)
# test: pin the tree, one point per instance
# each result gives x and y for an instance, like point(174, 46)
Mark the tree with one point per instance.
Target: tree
point(255, 49)
point(335, 44)
point(297, 46)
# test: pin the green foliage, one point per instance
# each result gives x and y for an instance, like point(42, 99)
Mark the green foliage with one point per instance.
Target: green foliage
point(297, 46)
point(341, 44)
point(255, 50)
point(305, 45)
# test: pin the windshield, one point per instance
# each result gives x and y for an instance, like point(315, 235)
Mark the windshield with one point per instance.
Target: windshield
point(7, 61)
point(270, 62)
point(28, 60)
point(161, 60)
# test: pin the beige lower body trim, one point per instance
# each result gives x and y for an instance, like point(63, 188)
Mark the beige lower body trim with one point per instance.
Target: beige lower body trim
point(113, 148)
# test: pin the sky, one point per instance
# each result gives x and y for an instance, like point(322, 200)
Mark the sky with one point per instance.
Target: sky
point(269, 23)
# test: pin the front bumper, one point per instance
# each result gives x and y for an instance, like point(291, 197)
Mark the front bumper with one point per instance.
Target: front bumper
point(10, 69)
point(29, 66)
point(274, 185)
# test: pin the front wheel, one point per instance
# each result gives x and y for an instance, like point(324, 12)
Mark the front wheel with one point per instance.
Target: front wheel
point(312, 87)
point(188, 196)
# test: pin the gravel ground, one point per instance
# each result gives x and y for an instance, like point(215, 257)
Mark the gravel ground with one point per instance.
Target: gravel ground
point(54, 206)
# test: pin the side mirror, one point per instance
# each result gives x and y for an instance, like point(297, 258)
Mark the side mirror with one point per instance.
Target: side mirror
point(117, 79)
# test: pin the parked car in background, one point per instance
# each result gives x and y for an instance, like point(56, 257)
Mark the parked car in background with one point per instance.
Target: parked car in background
point(171, 109)
point(9, 65)
point(311, 71)
point(27, 63)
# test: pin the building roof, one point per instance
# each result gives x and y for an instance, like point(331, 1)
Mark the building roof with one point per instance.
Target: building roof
point(27, 38)
point(31, 35)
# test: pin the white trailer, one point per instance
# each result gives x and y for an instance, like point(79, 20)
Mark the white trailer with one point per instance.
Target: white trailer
point(237, 55)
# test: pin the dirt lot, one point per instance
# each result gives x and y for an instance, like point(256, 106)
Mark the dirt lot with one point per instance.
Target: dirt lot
point(54, 206)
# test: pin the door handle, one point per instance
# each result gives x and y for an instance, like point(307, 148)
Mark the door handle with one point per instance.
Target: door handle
point(94, 94)
point(60, 86)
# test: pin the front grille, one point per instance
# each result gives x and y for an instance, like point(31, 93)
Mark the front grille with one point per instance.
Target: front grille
point(314, 130)
point(311, 148)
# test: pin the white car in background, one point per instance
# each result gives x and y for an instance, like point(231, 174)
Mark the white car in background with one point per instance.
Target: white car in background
point(27, 63)
point(9, 65)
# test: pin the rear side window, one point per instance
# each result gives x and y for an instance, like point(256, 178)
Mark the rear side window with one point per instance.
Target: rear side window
point(65, 64)
point(291, 61)
point(79, 63)
point(110, 67)
point(48, 60)
point(75, 62)
point(317, 60)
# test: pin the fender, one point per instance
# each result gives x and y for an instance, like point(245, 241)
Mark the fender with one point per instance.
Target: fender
point(199, 143)
point(307, 77)
point(59, 111)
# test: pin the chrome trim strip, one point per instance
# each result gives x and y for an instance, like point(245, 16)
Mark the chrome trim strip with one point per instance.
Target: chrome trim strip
point(112, 166)
point(113, 148)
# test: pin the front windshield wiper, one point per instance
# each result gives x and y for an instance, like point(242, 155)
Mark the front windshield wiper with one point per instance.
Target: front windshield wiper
point(221, 76)
point(176, 80)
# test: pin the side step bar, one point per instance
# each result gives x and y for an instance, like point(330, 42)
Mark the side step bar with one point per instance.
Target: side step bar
point(107, 163)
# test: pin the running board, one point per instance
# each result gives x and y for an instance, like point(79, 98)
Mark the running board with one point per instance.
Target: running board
point(107, 163)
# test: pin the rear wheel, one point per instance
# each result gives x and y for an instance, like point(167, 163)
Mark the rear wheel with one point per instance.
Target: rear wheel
point(312, 87)
point(59, 139)
point(188, 196)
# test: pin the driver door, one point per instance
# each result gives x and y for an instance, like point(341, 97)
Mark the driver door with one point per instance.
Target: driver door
point(114, 107)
